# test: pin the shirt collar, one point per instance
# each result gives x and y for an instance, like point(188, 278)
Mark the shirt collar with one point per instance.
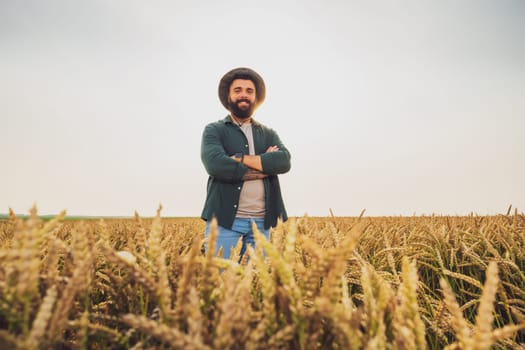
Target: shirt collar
point(228, 120)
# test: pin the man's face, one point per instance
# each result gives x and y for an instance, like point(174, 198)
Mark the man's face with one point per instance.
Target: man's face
point(241, 98)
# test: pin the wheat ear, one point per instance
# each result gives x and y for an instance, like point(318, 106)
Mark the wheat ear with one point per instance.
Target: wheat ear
point(483, 327)
point(171, 336)
point(459, 324)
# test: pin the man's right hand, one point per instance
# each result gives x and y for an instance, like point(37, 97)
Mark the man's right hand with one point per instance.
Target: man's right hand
point(253, 174)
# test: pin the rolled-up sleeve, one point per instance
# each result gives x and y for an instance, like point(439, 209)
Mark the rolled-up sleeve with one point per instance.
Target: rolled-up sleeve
point(279, 162)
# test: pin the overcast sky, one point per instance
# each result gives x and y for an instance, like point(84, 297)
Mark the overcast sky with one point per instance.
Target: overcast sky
point(398, 107)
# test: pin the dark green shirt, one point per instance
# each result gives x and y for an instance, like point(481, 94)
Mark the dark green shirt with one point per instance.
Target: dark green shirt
point(222, 139)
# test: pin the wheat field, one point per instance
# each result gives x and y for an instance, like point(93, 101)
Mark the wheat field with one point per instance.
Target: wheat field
point(421, 282)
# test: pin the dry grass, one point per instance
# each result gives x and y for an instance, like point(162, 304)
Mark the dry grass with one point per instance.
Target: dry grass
point(321, 283)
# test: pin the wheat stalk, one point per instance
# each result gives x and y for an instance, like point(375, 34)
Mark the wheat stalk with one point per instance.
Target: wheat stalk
point(41, 320)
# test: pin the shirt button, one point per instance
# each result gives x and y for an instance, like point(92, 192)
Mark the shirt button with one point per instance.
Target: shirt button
point(239, 188)
point(245, 145)
point(235, 205)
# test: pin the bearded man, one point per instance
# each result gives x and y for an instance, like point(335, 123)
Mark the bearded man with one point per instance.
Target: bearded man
point(243, 158)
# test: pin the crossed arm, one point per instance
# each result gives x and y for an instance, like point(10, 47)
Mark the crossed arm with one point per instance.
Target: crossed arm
point(254, 165)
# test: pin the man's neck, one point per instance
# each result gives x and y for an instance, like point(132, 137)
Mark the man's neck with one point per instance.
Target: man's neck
point(240, 121)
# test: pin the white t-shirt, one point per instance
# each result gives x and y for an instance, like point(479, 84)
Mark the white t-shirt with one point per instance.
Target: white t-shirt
point(252, 200)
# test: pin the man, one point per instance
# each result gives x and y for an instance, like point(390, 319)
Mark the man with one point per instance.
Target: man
point(242, 158)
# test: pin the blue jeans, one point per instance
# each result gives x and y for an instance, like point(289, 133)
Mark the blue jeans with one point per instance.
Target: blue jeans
point(241, 228)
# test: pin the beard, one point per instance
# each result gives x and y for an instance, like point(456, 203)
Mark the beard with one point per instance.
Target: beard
point(241, 112)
